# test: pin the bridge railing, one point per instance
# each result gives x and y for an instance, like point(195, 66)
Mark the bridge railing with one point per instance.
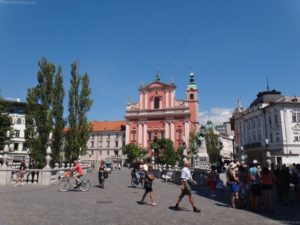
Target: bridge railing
point(199, 175)
point(45, 176)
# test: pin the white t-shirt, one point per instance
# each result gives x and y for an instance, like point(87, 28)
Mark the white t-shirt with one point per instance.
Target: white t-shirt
point(186, 174)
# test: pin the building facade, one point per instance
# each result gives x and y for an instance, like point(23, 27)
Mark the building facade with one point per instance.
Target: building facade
point(159, 114)
point(269, 129)
point(106, 141)
point(16, 112)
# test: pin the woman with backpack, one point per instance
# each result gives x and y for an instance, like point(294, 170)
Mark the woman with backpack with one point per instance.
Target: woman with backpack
point(233, 184)
point(255, 185)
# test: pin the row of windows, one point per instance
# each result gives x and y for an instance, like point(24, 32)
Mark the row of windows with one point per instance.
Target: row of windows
point(18, 121)
point(106, 135)
point(160, 135)
point(115, 153)
point(108, 144)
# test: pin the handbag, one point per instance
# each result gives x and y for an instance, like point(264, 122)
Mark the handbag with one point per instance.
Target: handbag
point(105, 175)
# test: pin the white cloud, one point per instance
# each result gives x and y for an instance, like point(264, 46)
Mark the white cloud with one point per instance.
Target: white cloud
point(216, 115)
point(17, 2)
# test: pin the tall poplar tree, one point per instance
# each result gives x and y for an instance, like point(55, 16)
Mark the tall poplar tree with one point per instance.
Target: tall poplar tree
point(43, 112)
point(58, 119)
point(79, 105)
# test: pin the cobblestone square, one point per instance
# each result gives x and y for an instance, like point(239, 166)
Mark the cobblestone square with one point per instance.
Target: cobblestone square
point(117, 204)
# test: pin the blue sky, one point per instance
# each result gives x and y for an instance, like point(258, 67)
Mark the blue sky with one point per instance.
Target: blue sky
point(231, 45)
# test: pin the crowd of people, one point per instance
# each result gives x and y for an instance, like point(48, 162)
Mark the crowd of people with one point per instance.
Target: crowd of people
point(252, 186)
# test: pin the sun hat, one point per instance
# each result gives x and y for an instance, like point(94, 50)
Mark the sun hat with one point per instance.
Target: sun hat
point(232, 165)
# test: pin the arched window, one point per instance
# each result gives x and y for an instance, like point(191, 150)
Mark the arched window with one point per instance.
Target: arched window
point(191, 96)
point(156, 103)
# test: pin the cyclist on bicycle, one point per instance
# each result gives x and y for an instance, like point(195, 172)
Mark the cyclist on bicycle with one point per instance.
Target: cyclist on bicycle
point(77, 168)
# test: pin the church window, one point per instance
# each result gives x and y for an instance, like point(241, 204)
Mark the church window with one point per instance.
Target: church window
point(191, 96)
point(149, 136)
point(156, 103)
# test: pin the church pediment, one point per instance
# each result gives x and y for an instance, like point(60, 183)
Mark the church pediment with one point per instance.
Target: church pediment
point(157, 86)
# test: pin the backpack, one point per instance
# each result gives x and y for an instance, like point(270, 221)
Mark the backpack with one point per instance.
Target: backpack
point(252, 175)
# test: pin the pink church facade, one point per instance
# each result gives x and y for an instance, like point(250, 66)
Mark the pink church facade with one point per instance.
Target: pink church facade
point(159, 114)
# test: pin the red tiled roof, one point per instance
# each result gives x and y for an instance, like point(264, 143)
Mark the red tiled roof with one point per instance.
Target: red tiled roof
point(107, 125)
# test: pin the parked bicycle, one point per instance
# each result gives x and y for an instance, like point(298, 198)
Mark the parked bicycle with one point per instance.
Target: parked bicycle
point(68, 182)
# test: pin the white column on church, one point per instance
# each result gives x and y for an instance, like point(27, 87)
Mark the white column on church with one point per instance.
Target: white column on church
point(140, 134)
point(141, 100)
point(172, 98)
point(127, 134)
point(145, 135)
point(167, 130)
point(173, 132)
point(186, 132)
point(146, 100)
point(167, 98)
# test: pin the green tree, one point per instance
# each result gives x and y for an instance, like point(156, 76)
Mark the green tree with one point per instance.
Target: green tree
point(5, 123)
point(58, 119)
point(79, 105)
point(39, 111)
point(133, 152)
point(166, 152)
point(212, 145)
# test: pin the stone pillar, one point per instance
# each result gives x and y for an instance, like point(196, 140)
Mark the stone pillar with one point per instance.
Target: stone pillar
point(173, 132)
point(186, 132)
point(146, 100)
point(167, 130)
point(127, 136)
point(46, 172)
point(167, 98)
point(145, 135)
point(140, 134)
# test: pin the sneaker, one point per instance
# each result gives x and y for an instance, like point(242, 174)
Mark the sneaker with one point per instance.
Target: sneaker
point(154, 204)
point(177, 208)
point(141, 202)
point(196, 210)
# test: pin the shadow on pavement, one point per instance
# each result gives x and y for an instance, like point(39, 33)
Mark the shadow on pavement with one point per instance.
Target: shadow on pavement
point(289, 214)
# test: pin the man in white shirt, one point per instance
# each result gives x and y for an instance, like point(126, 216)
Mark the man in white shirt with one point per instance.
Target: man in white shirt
point(186, 177)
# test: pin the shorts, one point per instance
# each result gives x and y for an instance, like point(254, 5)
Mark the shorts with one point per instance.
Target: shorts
point(256, 189)
point(187, 189)
point(267, 186)
point(148, 187)
point(233, 187)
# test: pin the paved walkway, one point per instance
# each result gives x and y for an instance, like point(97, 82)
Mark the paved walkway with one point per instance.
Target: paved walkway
point(117, 204)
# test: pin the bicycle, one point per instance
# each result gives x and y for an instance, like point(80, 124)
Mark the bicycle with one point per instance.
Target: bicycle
point(68, 182)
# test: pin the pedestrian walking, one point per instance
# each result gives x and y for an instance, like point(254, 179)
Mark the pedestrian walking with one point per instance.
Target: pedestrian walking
point(21, 173)
point(212, 180)
point(186, 178)
point(267, 178)
point(149, 178)
point(233, 184)
point(101, 173)
point(255, 185)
